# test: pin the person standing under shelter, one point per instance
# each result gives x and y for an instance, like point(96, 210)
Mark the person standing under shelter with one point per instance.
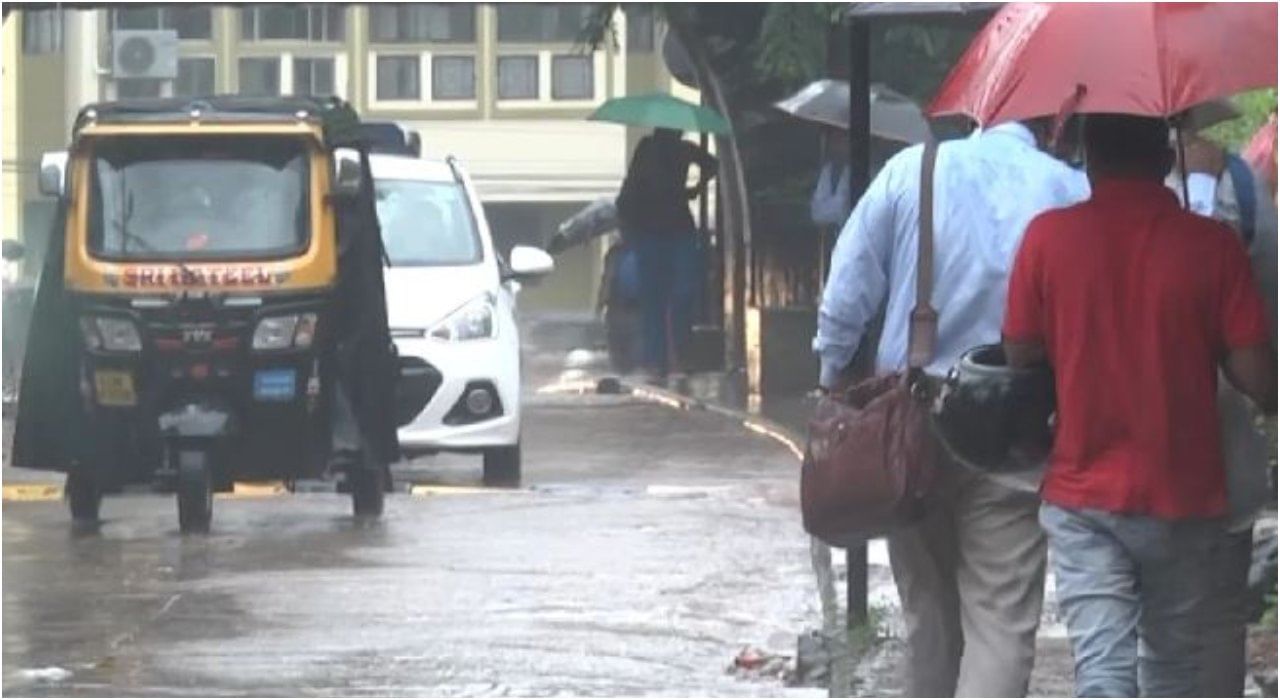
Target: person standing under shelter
point(830, 203)
point(1135, 303)
point(971, 574)
point(653, 210)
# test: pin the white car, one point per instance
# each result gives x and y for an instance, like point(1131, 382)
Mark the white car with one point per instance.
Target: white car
point(451, 301)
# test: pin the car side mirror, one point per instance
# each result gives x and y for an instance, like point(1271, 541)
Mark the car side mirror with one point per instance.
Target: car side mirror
point(53, 174)
point(528, 263)
point(347, 173)
point(13, 250)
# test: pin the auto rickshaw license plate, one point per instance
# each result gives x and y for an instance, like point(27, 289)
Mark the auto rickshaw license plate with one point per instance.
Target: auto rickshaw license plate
point(114, 388)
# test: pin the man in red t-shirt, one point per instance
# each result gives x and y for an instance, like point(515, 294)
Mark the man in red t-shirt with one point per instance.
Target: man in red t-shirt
point(1135, 303)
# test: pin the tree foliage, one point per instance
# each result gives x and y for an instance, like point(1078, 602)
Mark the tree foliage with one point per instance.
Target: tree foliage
point(792, 42)
point(1254, 108)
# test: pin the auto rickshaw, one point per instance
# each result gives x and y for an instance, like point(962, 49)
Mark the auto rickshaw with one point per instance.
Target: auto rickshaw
point(211, 308)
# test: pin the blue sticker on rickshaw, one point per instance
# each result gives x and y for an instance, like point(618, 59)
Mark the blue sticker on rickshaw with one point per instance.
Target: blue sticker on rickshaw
point(275, 385)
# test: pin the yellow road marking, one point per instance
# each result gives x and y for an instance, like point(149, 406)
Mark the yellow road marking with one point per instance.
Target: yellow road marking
point(255, 489)
point(434, 490)
point(53, 492)
point(32, 492)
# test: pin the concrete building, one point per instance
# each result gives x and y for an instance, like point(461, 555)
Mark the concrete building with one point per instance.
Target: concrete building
point(505, 87)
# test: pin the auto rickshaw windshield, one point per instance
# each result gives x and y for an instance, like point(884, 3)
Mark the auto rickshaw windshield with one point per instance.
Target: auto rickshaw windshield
point(198, 198)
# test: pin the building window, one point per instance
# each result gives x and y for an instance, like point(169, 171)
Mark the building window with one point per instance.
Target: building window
point(453, 78)
point(195, 77)
point(541, 23)
point(445, 23)
point(189, 22)
point(135, 88)
point(517, 77)
point(313, 76)
point(572, 78)
point(640, 28)
point(293, 22)
point(41, 31)
point(399, 78)
point(260, 77)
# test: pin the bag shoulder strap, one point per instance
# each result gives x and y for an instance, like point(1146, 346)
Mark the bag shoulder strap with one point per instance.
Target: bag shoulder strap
point(922, 339)
point(1242, 183)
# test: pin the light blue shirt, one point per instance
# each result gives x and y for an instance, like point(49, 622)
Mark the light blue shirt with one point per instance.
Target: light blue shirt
point(986, 189)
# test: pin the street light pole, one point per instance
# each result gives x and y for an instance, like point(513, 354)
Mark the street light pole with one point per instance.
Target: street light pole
point(859, 179)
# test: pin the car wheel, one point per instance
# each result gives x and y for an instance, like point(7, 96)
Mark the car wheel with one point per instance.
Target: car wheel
point(502, 466)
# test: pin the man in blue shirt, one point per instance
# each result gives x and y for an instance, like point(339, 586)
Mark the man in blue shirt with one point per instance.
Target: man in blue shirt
point(971, 575)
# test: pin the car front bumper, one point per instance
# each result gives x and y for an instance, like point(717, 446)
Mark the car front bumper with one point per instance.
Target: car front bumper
point(461, 365)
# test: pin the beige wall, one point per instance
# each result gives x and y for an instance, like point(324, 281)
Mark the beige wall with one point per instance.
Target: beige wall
point(524, 155)
point(10, 192)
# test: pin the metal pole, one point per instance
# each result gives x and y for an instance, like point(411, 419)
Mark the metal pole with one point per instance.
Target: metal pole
point(859, 178)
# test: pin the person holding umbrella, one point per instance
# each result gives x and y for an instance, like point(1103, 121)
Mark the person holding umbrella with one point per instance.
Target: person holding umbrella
point(654, 217)
point(895, 122)
point(1135, 302)
point(653, 209)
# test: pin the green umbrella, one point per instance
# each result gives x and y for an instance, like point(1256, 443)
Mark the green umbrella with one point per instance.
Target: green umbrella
point(661, 110)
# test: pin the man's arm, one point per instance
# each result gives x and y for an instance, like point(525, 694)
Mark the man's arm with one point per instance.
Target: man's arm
point(708, 166)
point(859, 277)
point(1024, 354)
point(1249, 360)
point(1252, 370)
point(1024, 322)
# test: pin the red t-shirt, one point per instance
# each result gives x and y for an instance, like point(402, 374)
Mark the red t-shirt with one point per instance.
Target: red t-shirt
point(1136, 301)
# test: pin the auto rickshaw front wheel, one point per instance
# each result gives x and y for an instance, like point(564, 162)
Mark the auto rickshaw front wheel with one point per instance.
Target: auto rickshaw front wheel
point(84, 496)
point(195, 491)
point(368, 489)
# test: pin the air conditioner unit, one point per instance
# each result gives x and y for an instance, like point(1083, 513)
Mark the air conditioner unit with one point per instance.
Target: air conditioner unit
point(149, 53)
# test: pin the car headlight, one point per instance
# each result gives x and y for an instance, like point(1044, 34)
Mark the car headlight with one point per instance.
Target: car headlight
point(284, 332)
point(110, 333)
point(475, 320)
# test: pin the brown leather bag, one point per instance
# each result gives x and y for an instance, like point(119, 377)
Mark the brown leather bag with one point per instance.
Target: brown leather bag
point(869, 465)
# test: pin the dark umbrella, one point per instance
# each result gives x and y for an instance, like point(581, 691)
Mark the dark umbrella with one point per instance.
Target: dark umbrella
point(893, 116)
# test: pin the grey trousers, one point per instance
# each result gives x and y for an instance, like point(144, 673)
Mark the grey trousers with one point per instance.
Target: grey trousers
point(1222, 659)
point(1132, 589)
point(971, 580)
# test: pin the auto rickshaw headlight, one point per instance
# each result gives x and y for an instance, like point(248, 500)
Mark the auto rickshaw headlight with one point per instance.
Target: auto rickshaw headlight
point(111, 333)
point(284, 332)
point(275, 333)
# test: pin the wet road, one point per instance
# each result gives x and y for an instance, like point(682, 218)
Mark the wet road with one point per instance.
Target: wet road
point(648, 547)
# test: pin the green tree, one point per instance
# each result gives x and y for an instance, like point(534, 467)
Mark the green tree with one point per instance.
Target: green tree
point(1255, 107)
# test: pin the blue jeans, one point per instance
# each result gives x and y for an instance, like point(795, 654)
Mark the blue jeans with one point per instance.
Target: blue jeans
point(668, 293)
point(1132, 590)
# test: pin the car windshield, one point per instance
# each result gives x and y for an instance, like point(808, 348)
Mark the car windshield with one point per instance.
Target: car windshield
point(426, 223)
point(198, 198)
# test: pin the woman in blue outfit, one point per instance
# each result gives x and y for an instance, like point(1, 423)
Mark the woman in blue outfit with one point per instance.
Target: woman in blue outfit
point(653, 210)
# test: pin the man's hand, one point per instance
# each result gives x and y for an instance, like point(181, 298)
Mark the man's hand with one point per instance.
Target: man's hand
point(1204, 156)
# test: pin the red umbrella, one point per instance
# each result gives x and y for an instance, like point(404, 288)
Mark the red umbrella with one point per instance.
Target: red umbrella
point(1154, 59)
point(1260, 152)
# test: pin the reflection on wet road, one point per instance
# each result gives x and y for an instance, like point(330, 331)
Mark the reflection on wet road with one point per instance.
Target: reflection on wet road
point(649, 547)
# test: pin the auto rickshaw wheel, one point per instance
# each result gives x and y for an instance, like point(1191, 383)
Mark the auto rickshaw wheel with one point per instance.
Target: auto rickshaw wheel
point(502, 466)
point(84, 496)
point(195, 491)
point(368, 489)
